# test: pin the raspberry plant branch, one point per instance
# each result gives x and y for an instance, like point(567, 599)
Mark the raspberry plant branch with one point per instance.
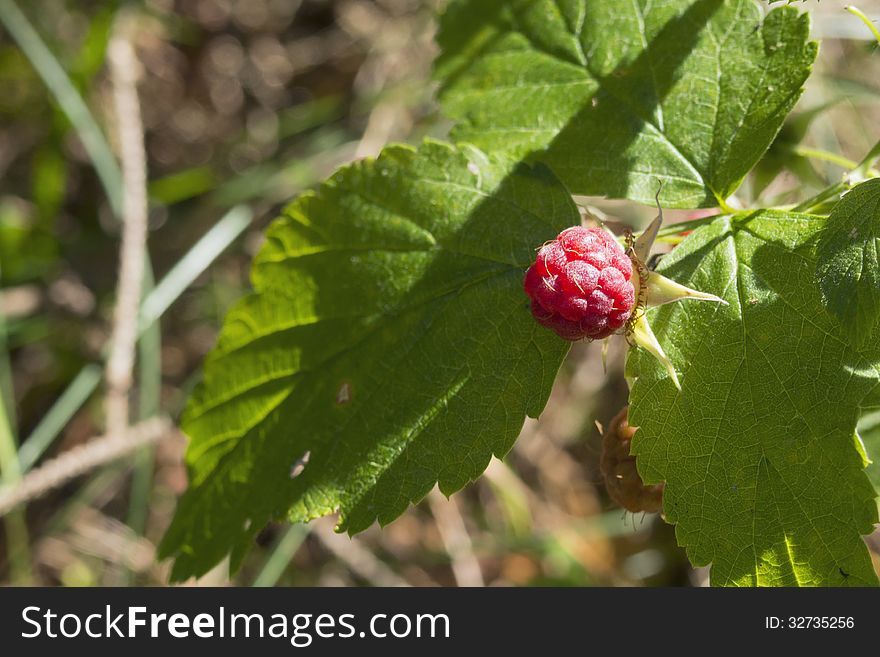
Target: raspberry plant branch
point(424, 280)
point(323, 396)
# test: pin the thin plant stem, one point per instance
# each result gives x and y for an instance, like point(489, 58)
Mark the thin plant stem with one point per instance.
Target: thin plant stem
point(825, 156)
point(867, 21)
point(864, 168)
point(821, 197)
point(149, 390)
point(53, 422)
point(120, 363)
point(281, 556)
point(682, 226)
point(17, 539)
point(80, 460)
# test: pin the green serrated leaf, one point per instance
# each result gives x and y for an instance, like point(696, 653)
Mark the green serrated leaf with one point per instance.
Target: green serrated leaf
point(848, 264)
point(763, 477)
point(388, 346)
point(616, 96)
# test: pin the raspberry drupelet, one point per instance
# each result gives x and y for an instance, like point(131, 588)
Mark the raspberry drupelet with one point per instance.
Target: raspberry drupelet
point(580, 285)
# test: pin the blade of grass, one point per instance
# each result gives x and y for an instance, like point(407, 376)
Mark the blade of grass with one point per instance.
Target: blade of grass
point(93, 488)
point(71, 400)
point(149, 391)
point(108, 171)
point(281, 556)
point(68, 98)
point(814, 201)
point(196, 260)
point(7, 398)
point(17, 540)
point(690, 224)
point(18, 545)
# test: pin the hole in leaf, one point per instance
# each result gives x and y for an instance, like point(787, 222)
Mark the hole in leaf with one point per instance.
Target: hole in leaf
point(299, 465)
point(343, 396)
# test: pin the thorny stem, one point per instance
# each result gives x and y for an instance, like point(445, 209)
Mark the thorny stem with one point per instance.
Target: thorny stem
point(124, 72)
point(77, 461)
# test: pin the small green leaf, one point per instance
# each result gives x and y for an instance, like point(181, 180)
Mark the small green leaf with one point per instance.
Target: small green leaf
point(764, 479)
point(388, 345)
point(848, 265)
point(615, 96)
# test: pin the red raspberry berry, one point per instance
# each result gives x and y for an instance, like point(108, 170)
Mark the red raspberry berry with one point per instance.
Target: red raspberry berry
point(580, 285)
